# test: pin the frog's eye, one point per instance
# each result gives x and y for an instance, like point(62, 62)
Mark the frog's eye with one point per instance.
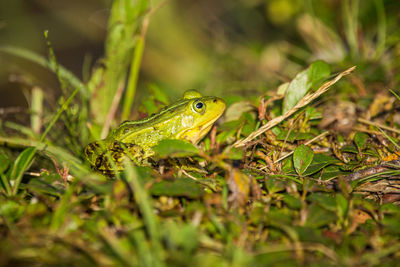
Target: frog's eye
point(199, 106)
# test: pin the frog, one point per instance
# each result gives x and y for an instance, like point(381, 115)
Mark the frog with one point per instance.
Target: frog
point(188, 119)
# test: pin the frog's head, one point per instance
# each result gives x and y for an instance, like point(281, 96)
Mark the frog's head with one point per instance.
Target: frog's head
point(199, 115)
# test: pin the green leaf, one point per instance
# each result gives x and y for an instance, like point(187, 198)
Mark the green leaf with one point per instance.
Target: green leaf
point(41, 186)
point(298, 88)
point(349, 149)
point(280, 216)
point(274, 185)
point(326, 201)
point(360, 139)
point(318, 216)
point(318, 71)
point(236, 110)
point(159, 94)
point(390, 208)
point(342, 205)
point(319, 162)
point(330, 172)
point(12, 210)
point(182, 236)
point(181, 187)
point(308, 234)
point(302, 158)
point(144, 201)
point(302, 83)
point(234, 153)
point(150, 106)
point(4, 161)
point(287, 166)
point(292, 201)
point(282, 88)
point(312, 113)
point(175, 148)
point(22, 163)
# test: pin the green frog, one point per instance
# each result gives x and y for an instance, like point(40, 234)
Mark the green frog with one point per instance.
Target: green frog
point(190, 119)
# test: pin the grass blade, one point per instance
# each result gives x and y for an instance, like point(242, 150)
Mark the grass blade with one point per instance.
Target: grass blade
point(42, 61)
point(146, 208)
point(55, 118)
point(22, 163)
point(36, 109)
point(133, 78)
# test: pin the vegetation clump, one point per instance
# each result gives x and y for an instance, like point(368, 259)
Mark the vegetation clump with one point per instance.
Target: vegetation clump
point(301, 170)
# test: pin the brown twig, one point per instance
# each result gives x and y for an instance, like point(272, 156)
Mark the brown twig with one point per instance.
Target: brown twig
point(379, 125)
point(373, 171)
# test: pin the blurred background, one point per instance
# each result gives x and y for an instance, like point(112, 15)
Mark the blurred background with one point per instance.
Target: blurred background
point(225, 47)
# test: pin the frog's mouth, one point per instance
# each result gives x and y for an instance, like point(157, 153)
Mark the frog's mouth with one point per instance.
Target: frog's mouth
point(204, 129)
point(196, 133)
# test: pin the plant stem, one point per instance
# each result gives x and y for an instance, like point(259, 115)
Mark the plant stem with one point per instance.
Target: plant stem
point(134, 72)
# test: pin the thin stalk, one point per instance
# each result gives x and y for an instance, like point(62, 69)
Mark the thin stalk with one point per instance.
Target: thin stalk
point(133, 78)
point(381, 38)
point(135, 64)
point(6, 184)
point(42, 61)
point(146, 208)
point(60, 111)
point(36, 109)
point(350, 12)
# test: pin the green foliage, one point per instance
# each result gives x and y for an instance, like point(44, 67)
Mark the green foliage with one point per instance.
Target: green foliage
point(181, 187)
point(175, 148)
point(301, 84)
point(302, 158)
point(320, 161)
point(287, 198)
point(360, 139)
point(21, 164)
point(122, 46)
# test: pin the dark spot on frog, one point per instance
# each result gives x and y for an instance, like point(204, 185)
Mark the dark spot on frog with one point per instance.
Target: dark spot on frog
point(90, 148)
point(115, 147)
point(116, 156)
point(100, 161)
point(215, 101)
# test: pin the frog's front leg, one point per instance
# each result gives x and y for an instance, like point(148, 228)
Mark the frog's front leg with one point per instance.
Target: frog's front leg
point(137, 154)
point(186, 164)
point(106, 157)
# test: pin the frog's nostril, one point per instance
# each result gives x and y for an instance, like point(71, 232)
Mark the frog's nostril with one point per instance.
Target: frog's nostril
point(215, 101)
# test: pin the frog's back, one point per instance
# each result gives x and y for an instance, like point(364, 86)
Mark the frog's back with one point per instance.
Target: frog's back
point(152, 129)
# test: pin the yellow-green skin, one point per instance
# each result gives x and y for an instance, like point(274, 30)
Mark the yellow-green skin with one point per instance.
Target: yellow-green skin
point(190, 118)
